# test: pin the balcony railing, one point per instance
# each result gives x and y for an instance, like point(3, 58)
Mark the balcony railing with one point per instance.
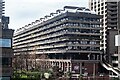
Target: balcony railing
point(112, 8)
point(112, 21)
point(112, 25)
point(111, 4)
point(112, 16)
point(112, 12)
point(114, 54)
point(115, 61)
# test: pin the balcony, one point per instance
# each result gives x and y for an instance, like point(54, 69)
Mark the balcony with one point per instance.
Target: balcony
point(85, 33)
point(72, 51)
point(51, 46)
point(115, 61)
point(112, 16)
point(79, 27)
point(85, 21)
point(112, 25)
point(87, 45)
point(112, 12)
point(40, 28)
point(83, 51)
point(112, 8)
point(111, 4)
point(115, 55)
point(112, 21)
point(58, 51)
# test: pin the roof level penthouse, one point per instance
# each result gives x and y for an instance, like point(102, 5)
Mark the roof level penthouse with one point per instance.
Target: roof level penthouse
point(71, 33)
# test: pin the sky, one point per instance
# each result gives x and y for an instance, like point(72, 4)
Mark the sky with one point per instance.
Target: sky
point(23, 12)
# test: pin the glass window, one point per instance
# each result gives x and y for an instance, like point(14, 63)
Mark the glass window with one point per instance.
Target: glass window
point(5, 42)
point(6, 61)
point(4, 78)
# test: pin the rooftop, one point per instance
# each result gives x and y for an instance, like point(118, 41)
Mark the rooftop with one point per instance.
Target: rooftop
point(73, 9)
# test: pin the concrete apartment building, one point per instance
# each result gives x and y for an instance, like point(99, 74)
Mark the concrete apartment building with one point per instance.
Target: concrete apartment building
point(6, 51)
point(70, 38)
point(110, 11)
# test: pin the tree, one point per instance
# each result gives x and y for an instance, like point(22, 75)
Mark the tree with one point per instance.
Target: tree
point(57, 72)
point(18, 65)
point(42, 64)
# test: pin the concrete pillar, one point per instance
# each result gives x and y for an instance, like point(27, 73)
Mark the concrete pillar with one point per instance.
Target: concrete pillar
point(94, 70)
point(67, 66)
point(59, 64)
point(119, 56)
point(70, 65)
point(81, 68)
point(62, 65)
point(53, 63)
point(56, 63)
point(101, 57)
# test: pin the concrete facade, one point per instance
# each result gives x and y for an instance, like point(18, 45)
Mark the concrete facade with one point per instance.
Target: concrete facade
point(111, 48)
point(71, 34)
point(110, 11)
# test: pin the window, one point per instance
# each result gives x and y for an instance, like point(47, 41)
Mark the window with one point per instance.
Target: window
point(5, 42)
point(6, 61)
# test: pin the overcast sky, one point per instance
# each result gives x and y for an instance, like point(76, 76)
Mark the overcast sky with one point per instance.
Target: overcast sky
point(22, 12)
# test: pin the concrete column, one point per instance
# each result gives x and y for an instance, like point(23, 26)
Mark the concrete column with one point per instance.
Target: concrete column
point(62, 65)
point(119, 56)
point(101, 57)
point(81, 68)
point(51, 63)
point(94, 70)
point(54, 63)
point(70, 65)
point(98, 57)
point(67, 66)
point(59, 64)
